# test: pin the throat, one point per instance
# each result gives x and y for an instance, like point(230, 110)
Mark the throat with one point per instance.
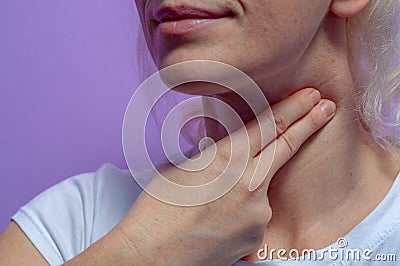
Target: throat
point(334, 182)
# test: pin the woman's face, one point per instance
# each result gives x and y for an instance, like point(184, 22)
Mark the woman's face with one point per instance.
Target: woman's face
point(260, 37)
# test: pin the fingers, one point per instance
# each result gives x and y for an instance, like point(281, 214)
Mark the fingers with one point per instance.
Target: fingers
point(296, 106)
point(289, 142)
point(286, 112)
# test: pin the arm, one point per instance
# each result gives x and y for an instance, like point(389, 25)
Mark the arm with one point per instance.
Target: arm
point(154, 232)
point(17, 249)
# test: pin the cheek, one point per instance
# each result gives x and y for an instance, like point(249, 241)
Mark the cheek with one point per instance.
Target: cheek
point(274, 34)
point(269, 36)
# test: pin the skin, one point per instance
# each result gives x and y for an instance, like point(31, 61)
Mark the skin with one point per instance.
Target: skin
point(154, 232)
point(270, 41)
point(306, 41)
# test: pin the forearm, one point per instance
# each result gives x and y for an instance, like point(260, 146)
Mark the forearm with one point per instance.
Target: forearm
point(137, 249)
point(112, 249)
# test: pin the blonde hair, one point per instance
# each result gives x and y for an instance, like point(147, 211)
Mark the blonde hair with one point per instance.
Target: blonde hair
point(374, 46)
point(374, 50)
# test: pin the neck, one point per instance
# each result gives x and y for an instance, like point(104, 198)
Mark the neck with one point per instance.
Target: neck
point(339, 175)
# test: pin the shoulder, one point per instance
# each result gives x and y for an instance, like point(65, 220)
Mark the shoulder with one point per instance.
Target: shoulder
point(383, 245)
point(71, 215)
point(376, 238)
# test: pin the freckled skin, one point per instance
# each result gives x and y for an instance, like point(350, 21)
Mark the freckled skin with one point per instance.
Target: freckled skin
point(262, 39)
point(286, 45)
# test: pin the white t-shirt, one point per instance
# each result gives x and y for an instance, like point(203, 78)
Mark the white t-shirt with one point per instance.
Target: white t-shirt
point(70, 216)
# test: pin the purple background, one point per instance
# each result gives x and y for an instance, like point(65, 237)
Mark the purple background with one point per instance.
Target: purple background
point(67, 72)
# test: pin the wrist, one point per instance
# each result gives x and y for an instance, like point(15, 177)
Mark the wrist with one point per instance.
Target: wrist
point(112, 249)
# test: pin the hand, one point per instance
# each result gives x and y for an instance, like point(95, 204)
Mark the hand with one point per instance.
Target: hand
point(223, 231)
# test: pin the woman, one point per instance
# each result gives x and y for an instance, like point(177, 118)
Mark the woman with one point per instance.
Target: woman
point(340, 184)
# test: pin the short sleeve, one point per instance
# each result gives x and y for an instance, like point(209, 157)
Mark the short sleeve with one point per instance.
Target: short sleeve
point(67, 218)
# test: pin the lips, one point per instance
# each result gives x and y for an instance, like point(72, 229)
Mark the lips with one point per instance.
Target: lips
point(176, 13)
point(175, 20)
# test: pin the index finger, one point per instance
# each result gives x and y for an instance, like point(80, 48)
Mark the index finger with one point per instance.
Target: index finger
point(285, 114)
point(263, 129)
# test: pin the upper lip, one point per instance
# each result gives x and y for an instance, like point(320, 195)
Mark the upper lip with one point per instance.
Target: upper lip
point(168, 13)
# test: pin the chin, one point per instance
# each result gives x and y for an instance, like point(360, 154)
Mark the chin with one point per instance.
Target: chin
point(201, 88)
point(183, 74)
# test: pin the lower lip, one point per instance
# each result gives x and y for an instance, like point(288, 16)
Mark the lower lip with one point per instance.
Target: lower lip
point(185, 26)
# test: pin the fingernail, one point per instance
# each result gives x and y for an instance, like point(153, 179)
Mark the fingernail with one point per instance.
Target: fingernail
point(315, 96)
point(328, 107)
